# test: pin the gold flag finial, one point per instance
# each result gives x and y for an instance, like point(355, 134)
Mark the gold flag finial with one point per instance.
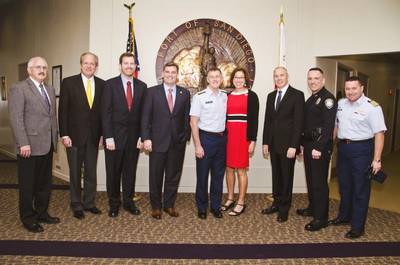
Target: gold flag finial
point(129, 8)
point(281, 16)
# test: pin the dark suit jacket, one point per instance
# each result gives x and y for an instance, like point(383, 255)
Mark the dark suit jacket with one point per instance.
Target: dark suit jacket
point(283, 128)
point(159, 124)
point(75, 117)
point(118, 122)
point(31, 121)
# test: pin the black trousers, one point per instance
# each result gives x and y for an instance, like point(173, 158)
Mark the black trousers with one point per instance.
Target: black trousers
point(168, 164)
point(317, 183)
point(85, 156)
point(34, 180)
point(282, 180)
point(121, 164)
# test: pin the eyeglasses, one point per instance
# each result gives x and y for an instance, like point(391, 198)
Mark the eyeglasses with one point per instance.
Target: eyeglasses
point(39, 67)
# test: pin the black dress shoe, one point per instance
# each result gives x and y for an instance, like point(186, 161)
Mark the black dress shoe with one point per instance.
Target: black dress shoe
point(132, 209)
point(93, 210)
point(34, 228)
point(304, 212)
point(270, 210)
point(202, 214)
point(282, 218)
point(354, 234)
point(316, 225)
point(79, 214)
point(337, 222)
point(49, 220)
point(216, 213)
point(113, 213)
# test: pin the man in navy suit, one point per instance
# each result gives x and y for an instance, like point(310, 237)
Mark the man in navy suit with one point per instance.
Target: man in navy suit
point(79, 115)
point(283, 126)
point(165, 130)
point(121, 113)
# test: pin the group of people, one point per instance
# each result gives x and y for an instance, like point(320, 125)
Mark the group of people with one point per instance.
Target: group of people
point(127, 117)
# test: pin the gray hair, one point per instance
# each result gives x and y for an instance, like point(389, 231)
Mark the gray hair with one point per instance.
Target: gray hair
point(34, 59)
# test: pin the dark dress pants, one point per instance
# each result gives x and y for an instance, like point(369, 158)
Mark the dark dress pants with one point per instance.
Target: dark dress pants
point(282, 180)
point(317, 182)
point(353, 162)
point(121, 164)
point(34, 180)
point(168, 164)
point(85, 156)
point(214, 161)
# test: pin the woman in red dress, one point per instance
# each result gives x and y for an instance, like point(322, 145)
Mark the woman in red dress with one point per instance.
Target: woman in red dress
point(242, 125)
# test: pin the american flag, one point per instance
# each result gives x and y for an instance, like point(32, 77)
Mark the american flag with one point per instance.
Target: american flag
point(132, 47)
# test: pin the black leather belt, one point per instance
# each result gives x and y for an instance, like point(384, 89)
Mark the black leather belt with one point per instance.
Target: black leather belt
point(348, 141)
point(219, 134)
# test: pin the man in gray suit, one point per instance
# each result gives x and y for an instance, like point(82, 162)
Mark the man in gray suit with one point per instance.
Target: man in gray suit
point(32, 108)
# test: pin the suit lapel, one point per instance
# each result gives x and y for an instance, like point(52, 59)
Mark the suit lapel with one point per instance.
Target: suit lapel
point(285, 97)
point(163, 97)
point(273, 101)
point(121, 92)
point(38, 94)
point(81, 91)
point(97, 92)
point(178, 98)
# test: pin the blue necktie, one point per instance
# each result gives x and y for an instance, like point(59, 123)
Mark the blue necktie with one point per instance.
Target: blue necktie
point(44, 96)
point(278, 101)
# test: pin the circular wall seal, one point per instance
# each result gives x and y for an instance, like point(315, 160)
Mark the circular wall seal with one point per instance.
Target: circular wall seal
point(199, 44)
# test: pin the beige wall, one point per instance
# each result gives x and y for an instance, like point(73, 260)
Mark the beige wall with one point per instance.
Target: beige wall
point(313, 28)
point(57, 30)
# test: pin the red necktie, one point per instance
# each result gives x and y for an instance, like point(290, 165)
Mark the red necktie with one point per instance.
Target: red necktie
point(129, 97)
point(170, 100)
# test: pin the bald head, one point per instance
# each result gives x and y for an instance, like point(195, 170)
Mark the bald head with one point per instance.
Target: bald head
point(37, 69)
point(281, 77)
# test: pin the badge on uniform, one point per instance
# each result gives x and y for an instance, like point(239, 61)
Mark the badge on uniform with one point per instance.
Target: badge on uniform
point(329, 103)
point(318, 101)
point(209, 102)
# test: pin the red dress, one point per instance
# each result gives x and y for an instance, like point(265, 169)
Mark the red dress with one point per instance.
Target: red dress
point(237, 148)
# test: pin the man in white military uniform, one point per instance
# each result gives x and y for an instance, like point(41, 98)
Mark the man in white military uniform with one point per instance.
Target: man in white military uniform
point(207, 120)
point(360, 127)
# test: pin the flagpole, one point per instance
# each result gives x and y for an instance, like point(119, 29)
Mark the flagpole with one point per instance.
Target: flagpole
point(282, 40)
point(131, 43)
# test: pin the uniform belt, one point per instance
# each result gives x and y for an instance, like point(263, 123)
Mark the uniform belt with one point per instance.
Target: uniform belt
point(219, 134)
point(348, 141)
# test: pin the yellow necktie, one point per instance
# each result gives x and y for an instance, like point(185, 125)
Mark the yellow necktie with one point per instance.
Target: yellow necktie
point(89, 93)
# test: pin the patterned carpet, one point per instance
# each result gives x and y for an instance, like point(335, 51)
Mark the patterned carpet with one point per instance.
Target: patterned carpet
point(251, 228)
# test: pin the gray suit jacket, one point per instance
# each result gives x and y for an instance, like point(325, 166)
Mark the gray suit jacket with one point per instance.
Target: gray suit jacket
point(31, 121)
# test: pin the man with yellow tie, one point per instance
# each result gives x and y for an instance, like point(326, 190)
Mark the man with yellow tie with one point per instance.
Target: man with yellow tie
point(79, 115)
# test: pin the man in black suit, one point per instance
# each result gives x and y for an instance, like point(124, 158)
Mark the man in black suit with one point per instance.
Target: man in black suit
point(165, 131)
point(79, 115)
point(121, 113)
point(283, 126)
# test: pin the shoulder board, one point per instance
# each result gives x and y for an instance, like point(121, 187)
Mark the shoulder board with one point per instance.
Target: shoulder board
point(224, 91)
point(201, 92)
point(373, 103)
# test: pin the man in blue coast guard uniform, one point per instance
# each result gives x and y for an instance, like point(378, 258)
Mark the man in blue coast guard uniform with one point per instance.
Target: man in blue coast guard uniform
point(360, 127)
point(207, 120)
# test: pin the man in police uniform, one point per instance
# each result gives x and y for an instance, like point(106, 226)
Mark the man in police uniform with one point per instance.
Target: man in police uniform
point(207, 120)
point(319, 121)
point(360, 127)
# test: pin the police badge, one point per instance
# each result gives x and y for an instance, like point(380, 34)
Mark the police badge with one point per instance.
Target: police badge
point(329, 103)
